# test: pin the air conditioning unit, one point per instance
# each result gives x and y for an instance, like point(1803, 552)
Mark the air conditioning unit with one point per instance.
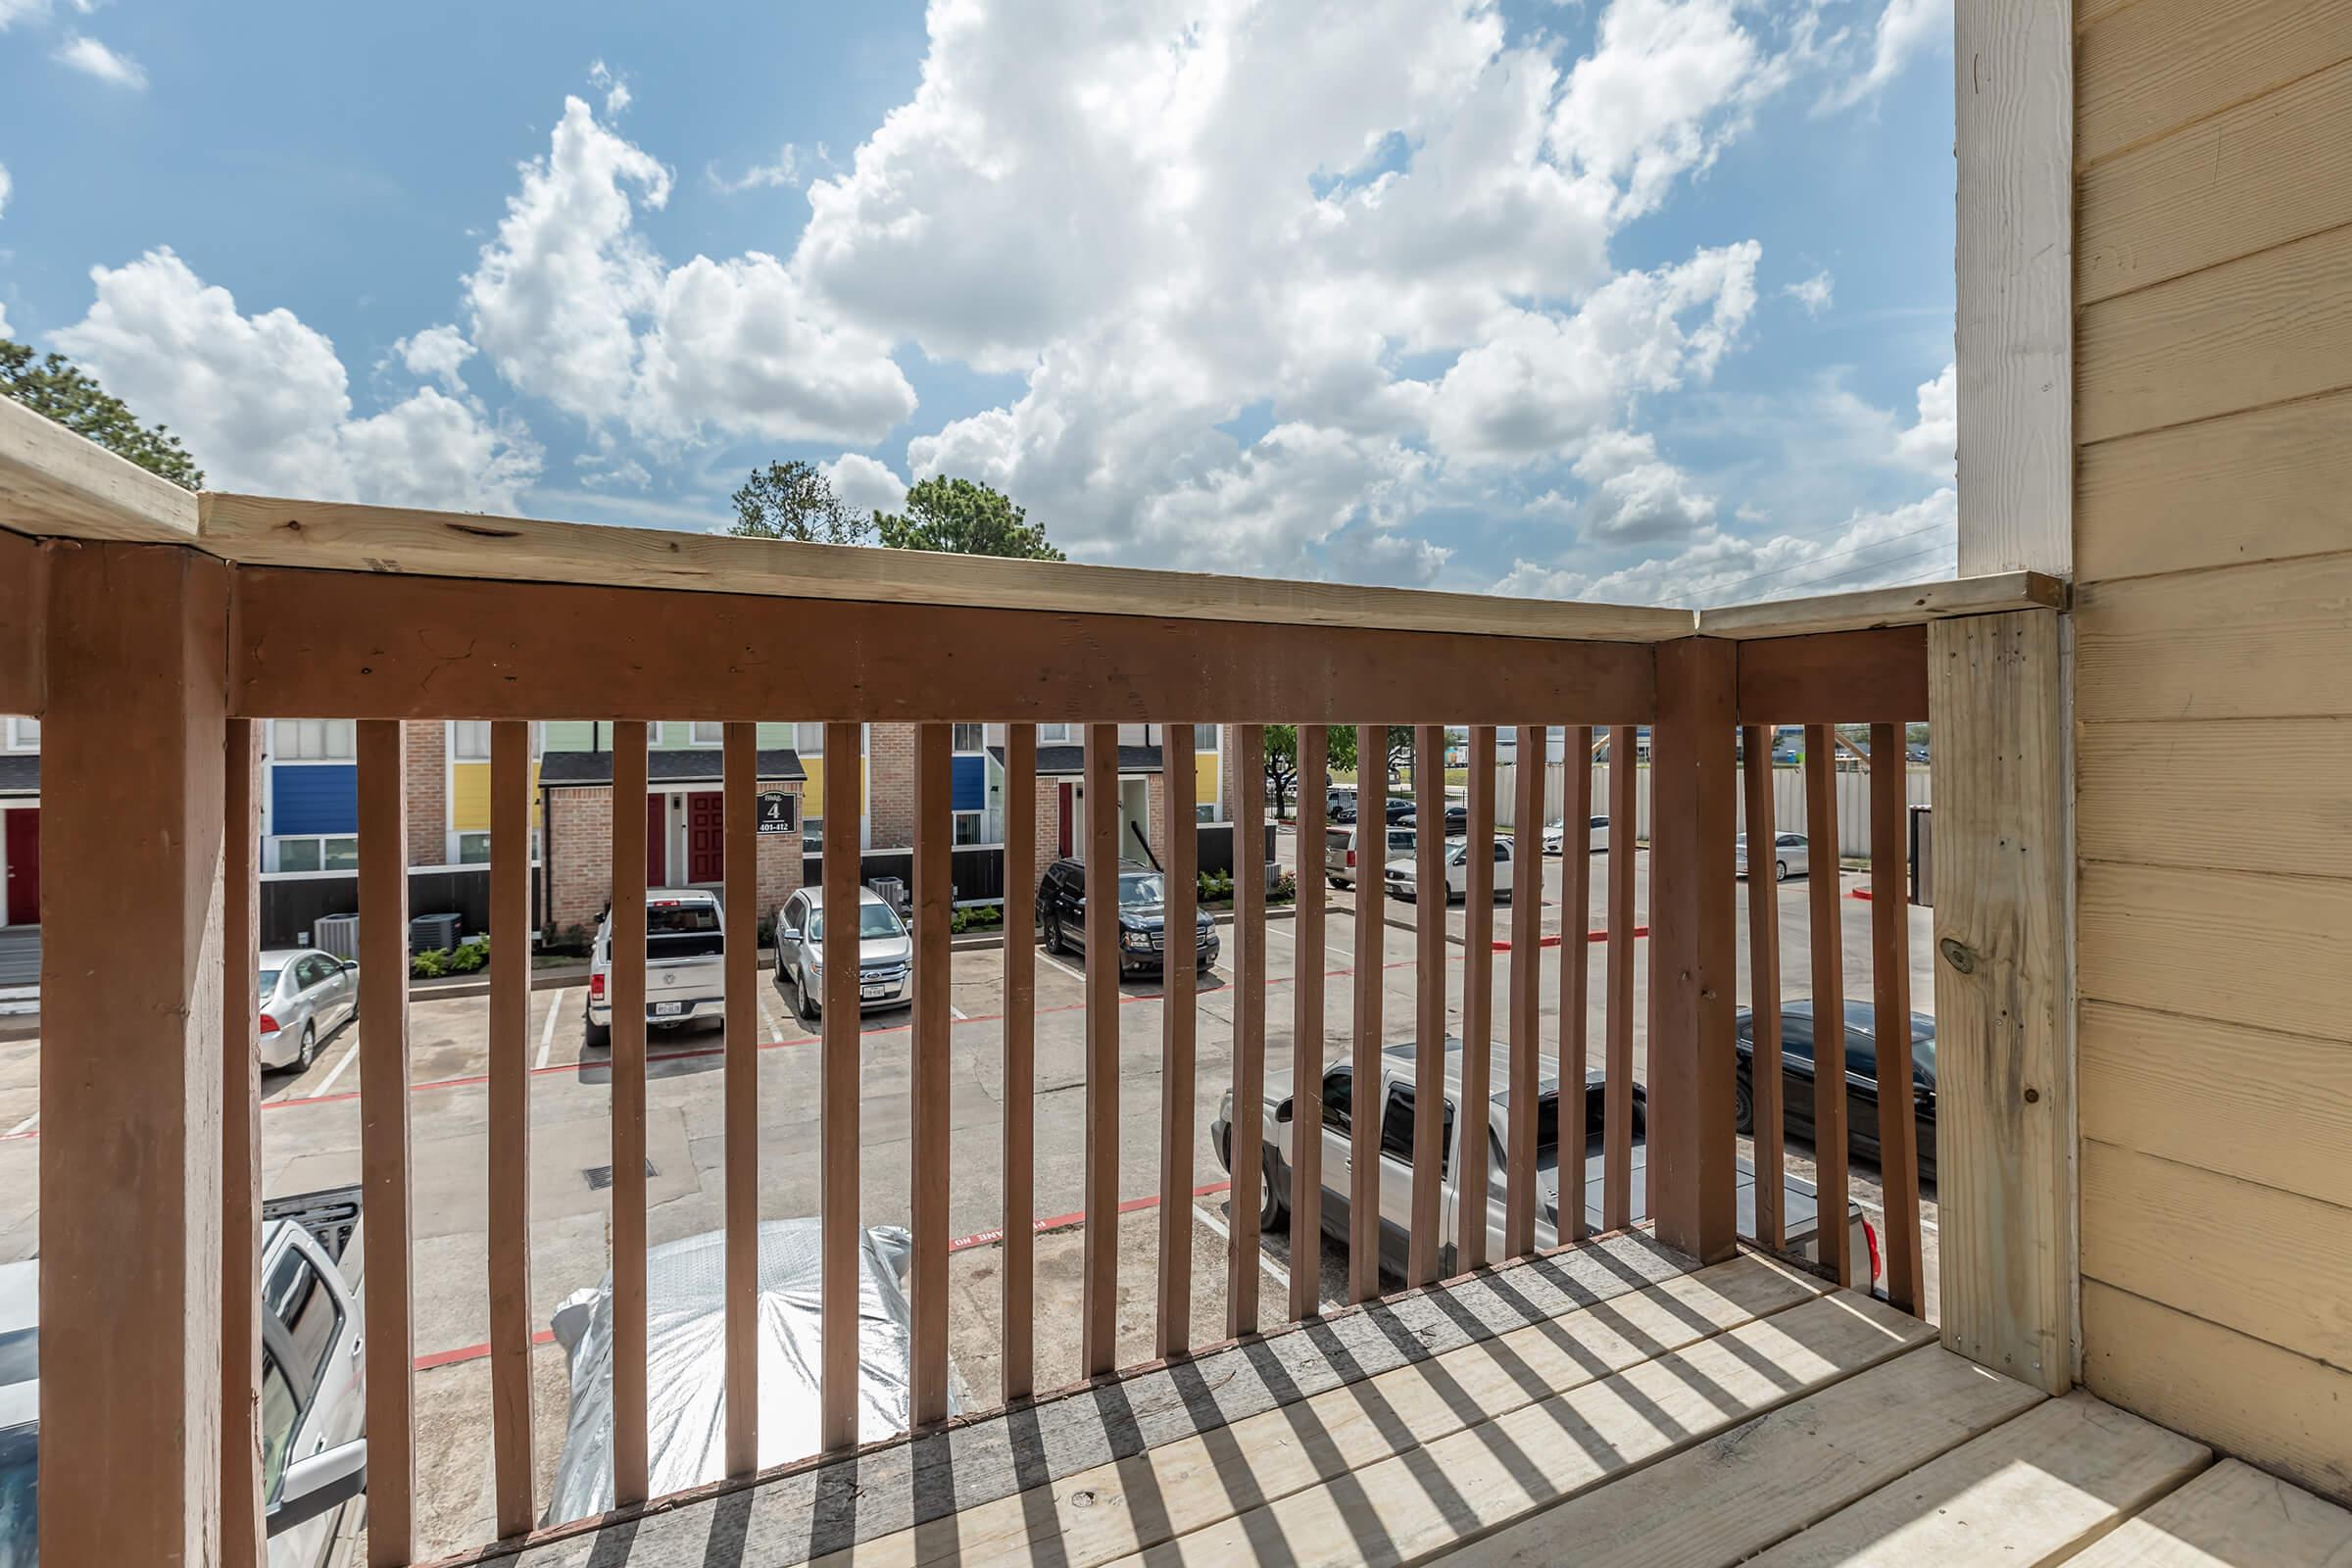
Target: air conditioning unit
point(338, 933)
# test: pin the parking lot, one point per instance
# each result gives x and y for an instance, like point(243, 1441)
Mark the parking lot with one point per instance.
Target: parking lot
point(311, 1131)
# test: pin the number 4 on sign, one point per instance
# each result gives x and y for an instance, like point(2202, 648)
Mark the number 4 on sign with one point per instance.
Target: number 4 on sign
point(779, 812)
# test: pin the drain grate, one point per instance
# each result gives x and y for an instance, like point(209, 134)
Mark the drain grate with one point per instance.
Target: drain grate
point(599, 1177)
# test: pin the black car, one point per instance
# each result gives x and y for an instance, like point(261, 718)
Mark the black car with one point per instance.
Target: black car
point(1400, 808)
point(1143, 897)
point(1457, 820)
point(1861, 1077)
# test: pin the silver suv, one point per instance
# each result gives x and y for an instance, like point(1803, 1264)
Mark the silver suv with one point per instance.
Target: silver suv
point(885, 954)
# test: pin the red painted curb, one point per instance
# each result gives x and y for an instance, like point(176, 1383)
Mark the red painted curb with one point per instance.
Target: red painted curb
point(1640, 932)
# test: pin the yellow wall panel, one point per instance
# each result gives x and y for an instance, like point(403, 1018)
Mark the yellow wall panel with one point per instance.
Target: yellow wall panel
point(1204, 779)
point(469, 797)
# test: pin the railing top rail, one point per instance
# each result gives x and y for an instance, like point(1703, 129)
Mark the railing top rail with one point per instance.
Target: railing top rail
point(55, 483)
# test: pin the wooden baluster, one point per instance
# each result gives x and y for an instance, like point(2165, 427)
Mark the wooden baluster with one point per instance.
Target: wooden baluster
point(1364, 1110)
point(1527, 1020)
point(1693, 1164)
point(1429, 979)
point(1179, 956)
point(383, 834)
point(839, 1239)
point(933, 904)
point(1248, 1026)
point(740, 844)
point(1478, 1004)
point(1020, 1060)
point(243, 1530)
point(1306, 1029)
point(1829, 996)
point(1099, 1302)
point(625, 978)
point(1764, 988)
point(1617, 1090)
point(509, 1122)
point(1890, 977)
point(1576, 967)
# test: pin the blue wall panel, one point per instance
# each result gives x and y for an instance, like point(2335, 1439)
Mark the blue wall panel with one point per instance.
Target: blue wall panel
point(313, 797)
point(971, 790)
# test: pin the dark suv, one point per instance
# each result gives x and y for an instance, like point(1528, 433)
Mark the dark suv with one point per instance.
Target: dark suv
point(1143, 897)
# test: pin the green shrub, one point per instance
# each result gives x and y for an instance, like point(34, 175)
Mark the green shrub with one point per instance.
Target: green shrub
point(430, 965)
point(470, 956)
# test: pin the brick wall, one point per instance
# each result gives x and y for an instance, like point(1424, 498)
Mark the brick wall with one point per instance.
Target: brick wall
point(428, 791)
point(890, 796)
point(579, 847)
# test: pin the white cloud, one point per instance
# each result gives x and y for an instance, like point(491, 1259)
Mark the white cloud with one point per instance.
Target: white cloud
point(1932, 442)
point(13, 11)
point(1906, 30)
point(438, 353)
point(92, 58)
point(1813, 293)
point(617, 91)
point(786, 170)
point(628, 475)
point(864, 484)
point(1913, 543)
point(264, 401)
point(1638, 497)
point(5, 330)
point(1669, 82)
point(573, 303)
point(6, 185)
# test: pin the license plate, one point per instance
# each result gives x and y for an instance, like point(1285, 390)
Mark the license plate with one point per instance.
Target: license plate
point(874, 993)
point(668, 1009)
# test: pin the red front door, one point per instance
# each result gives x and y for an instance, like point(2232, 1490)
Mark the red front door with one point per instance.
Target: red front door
point(1069, 794)
point(706, 836)
point(657, 839)
point(24, 866)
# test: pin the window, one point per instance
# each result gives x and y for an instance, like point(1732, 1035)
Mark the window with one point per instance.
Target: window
point(281, 1410)
point(808, 739)
point(25, 734)
point(1338, 1100)
point(813, 834)
point(971, 828)
point(309, 854)
point(1204, 810)
point(308, 1309)
point(1205, 736)
point(312, 740)
point(1397, 1131)
point(469, 740)
point(473, 849)
point(705, 733)
point(1056, 734)
point(968, 737)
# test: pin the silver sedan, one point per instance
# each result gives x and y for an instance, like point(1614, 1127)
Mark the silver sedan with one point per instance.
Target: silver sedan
point(1790, 856)
point(306, 996)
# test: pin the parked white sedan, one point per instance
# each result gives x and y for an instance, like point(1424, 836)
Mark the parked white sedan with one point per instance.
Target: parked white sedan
point(1404, 872)
point(306, 996)
point(1788, 855)
point(1556, 836)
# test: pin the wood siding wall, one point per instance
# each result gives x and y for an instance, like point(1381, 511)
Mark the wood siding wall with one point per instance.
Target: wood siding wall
point(2213, 543)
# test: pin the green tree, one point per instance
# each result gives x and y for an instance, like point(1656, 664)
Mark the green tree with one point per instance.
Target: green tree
point(1281, 764)
point(795, 500)
point(53, 386)
point(961, 517)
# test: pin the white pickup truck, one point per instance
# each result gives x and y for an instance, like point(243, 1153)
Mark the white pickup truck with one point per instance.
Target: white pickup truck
point(685, 963)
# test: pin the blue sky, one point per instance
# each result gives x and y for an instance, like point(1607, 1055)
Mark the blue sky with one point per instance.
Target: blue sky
point(1626, 299)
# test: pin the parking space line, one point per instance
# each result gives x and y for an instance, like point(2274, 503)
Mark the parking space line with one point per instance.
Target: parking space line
point(547, 1035)
point(25, 1126)
point(959, 1014)
point(1078, 975)
point(349, 1056)
point(1274, 1270)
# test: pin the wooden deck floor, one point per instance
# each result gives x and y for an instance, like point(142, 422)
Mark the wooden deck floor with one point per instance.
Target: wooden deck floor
point(1600, 1406)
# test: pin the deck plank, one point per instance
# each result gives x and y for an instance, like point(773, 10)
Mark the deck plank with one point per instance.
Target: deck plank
point(1513, 1471)
point(1766, 1478)
point(1100, 1514)
point(2232, 1516)
point(2031, 1491)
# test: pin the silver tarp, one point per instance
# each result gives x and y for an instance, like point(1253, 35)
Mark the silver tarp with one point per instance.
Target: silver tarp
point(686, 1360)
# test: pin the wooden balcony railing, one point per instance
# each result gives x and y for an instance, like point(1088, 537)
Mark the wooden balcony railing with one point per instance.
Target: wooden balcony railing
point(151, 641)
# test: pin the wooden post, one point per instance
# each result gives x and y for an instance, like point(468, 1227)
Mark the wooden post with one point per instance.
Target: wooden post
point(1526, 1001)
point(1306, 1029)
point(1827, 916)
point(1180, 952)
point(1693, 952)
point(384, 1230)
point(2005, 1118)
point(1575, 958)
point(1020, 1059)
point(133, 1057)
point(1478, 1003)
point(1099, 1297)
point(1890, 988)
point(1430, 900)
point(1617, 1089)
point(839, 1226)
point(1764, 994)
point(509, 1119)
point(927, 1078)
point(630, 1434)
point(1364, 1108)
point(1248, 1025)
point(242, 1527)
point(739, 827)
